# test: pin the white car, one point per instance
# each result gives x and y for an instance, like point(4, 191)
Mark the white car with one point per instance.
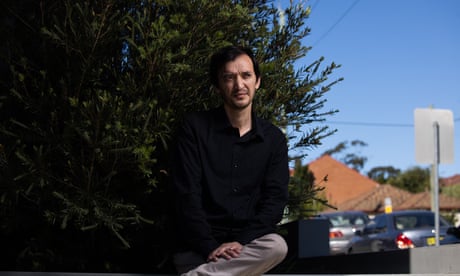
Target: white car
point(342, 228)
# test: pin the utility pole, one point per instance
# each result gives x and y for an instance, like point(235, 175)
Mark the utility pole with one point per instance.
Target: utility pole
point(434, 144)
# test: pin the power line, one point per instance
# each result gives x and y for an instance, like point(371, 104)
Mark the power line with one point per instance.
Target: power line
point(375, 124)
point(370, 124)
point(337, 22)
point(314, 5)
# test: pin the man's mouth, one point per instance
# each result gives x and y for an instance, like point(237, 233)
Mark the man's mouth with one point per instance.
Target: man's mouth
point(240, 94)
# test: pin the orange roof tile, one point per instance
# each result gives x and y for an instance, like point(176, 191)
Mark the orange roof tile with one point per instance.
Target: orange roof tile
point(423, 201)
point(347, 189)
point(342, 182)
point(449, 181)
point(373, 201)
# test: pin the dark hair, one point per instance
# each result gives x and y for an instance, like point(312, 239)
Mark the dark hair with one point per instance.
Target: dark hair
point(226, 54)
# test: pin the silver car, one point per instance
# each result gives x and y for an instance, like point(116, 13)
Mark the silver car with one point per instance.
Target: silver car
point(402, 230)
point(342, 228)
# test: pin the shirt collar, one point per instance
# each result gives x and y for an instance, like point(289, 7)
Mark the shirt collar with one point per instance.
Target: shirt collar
point(222, 123)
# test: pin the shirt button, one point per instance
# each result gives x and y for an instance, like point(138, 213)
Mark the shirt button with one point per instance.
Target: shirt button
point(235, 189)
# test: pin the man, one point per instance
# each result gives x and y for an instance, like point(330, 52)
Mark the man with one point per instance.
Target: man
point(230, 178)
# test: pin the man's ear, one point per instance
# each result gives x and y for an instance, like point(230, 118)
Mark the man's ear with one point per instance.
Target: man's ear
point(257, 83)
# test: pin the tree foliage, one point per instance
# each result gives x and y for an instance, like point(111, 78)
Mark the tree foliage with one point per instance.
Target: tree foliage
point(453, 191)
point(383, 175)
point(415, 179)
point(306, 196)
point(354, 160)
point(92, 92)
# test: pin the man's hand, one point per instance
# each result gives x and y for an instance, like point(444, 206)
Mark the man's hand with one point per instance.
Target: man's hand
point(226, 250)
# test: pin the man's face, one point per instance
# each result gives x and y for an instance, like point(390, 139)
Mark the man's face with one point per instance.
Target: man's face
point(238, 83)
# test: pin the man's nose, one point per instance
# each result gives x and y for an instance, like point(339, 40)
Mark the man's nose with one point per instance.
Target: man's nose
point(239, 82)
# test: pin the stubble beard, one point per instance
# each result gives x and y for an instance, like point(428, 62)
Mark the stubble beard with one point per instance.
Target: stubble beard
point(237, 104)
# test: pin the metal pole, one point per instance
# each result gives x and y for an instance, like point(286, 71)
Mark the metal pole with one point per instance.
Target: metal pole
point(435, 180)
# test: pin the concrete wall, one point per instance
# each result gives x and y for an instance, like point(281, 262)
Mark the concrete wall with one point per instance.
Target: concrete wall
point(308, 254)
point(441, 260)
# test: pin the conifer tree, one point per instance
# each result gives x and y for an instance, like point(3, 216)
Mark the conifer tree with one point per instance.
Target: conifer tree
point(91, 95)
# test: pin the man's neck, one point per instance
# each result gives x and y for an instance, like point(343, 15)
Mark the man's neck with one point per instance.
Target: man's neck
point(240, 119)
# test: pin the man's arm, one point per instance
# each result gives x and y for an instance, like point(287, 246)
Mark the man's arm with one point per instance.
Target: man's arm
point(273, 197)
point(191, 219)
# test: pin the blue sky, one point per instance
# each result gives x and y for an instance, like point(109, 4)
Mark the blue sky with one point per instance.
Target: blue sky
point(396, 56)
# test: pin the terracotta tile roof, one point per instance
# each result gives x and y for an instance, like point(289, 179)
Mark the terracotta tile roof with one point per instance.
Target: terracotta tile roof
point(346, 189)
point(423, 201)
point(449, 181)
point(343, 183)
point(373, 201)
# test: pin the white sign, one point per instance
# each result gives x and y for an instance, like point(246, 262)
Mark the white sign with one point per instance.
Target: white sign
point(425, 121)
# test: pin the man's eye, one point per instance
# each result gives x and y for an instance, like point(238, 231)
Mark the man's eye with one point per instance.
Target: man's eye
point(228, 77)
point(247, 75)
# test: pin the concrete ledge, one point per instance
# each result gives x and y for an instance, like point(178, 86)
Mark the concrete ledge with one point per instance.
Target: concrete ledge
point(440, 260)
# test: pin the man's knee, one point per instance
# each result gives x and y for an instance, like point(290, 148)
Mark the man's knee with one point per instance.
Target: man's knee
point(279, 247)
point(270, 247)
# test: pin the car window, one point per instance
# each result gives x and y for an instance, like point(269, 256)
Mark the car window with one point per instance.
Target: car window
point(417, 220)
point(376, 225)
point(443, 221)
point(360, 220)
point(339, 221)
point(344, 220)
point(405, 222)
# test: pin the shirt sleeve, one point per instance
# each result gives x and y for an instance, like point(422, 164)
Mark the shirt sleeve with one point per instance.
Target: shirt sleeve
point(273, 195)
point(191, 219)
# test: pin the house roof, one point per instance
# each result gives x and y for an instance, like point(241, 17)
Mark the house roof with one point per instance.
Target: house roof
point(423, 201)
point(346, 189)
point(341, 183)
point(373, 201)
point(449, 181)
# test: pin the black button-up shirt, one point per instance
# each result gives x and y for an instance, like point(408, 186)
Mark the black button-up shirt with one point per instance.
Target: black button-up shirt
point(227, 187)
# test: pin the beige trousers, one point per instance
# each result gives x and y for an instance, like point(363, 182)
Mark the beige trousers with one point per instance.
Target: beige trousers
point(256, 258)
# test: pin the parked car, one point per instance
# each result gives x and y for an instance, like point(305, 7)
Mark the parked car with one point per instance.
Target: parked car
point(342, 228)
point(402, 230)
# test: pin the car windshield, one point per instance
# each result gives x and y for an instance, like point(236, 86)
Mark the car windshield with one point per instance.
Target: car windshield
point(410, 221)
point(347, 220)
